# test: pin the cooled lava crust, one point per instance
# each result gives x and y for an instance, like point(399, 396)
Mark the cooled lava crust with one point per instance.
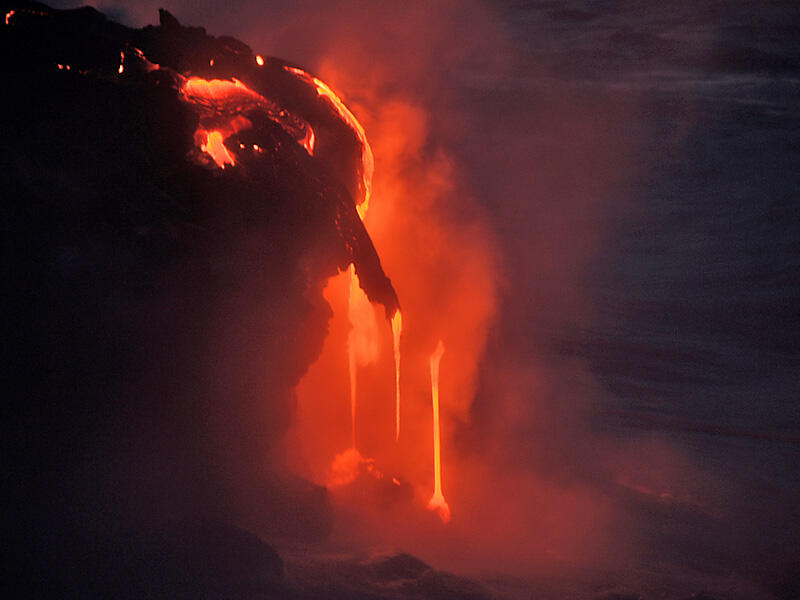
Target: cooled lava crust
point(97, 96)
point(160, 310)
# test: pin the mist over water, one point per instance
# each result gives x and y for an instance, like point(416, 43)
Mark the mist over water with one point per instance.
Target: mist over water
point(623, 178)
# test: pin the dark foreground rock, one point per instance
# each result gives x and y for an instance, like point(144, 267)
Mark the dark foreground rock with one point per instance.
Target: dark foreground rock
point(159, 310)
point(399, 566)
point(208, 559)
point(397, 577)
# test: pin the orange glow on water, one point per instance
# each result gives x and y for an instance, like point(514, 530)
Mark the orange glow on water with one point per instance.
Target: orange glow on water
point(437, 501)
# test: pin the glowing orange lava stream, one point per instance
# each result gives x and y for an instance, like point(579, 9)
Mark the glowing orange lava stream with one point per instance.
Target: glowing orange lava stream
point(437, 501)
point(215, 146)
point(229, 99)
point(362, 341)
point(367, 159)
point(358, 344)
point(397, 330)
point(362, 335)
point(363, 338)
point(225, 101)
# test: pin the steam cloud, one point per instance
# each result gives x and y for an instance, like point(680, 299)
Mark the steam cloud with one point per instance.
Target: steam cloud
point(488, 212)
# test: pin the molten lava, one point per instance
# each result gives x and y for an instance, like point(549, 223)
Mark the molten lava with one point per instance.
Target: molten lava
point(224, 107)
point(223, 103)
point(211, 140)
point(397, 330)
point(367, 160)
point(362, 341)
point(364, 336)
point(437, 501)
point(215, 147)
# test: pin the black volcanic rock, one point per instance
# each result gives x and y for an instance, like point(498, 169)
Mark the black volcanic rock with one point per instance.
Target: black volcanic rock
point(159, 310)
point(440, 585)
point(393, 577)
point(399, 566)
point(205, 557)
point(180, 559)
point(79, 52)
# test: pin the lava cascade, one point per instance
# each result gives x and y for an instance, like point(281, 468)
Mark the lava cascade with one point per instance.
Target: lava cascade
point(362, 342)
point(437, 501)
point(397, 331)
point(441, 270)
point(363, 339)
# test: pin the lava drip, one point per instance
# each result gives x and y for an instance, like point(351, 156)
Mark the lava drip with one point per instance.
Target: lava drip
point(362, 346)
point(397, 330)
point(437, 501)
point(362, 341)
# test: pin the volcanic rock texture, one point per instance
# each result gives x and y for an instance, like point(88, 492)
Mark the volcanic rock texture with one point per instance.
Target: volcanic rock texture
point(159, 309)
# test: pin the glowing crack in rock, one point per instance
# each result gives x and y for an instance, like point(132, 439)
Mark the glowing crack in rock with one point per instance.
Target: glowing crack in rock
point(223, 102)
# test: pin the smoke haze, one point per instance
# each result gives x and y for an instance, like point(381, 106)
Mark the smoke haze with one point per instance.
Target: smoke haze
point(503, 177)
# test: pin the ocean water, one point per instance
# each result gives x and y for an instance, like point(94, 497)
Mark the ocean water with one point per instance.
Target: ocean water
point(687, 188)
